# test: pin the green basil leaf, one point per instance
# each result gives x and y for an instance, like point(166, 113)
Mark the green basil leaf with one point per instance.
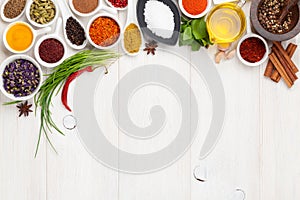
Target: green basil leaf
point(183, 27)
point(188, 42)
point(187, 34)
point(199, 29)
point(181, 39)
point(195, 46)
point(204, 42)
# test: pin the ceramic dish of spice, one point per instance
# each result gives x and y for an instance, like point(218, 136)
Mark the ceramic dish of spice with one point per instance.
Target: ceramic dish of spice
point(41, 13)
point(19, 36)
point(87, 8)
point(74, 32)
point(11, 10)
point(21, 77)
point(252, 49)
point(118, 4)
point(104, 31)
point(50, 49)
point(132, 38)
point(160, 20)
point(194, 8)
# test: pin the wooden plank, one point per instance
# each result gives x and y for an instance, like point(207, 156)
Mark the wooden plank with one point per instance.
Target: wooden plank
point(19, 171)
point(172, 182)
point(280, 126)
point(234, 163)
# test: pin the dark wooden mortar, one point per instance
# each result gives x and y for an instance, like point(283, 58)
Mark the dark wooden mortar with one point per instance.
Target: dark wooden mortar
point(294, 27)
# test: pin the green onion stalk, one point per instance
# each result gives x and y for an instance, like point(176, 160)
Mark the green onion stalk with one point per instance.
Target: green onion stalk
point(54, 82)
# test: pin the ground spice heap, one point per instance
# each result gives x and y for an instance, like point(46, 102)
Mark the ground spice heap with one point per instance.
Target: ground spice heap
point(280, 64)
point(252, 49)
point(85, 6)
point(104, 31)
point(51, 50)
point(268, 15)
point(14, 8)
point(119, 3)
point(75, 32)
point(19, 37)
point(132, 38)
point(194, 7)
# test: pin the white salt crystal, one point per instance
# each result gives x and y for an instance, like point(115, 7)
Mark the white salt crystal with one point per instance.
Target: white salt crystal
point(159, 18)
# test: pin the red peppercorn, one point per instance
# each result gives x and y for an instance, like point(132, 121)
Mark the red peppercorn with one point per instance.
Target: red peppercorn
point(119, 3)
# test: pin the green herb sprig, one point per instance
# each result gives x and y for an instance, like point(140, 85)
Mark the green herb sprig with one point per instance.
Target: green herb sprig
point(193, 33)
point(55, 80)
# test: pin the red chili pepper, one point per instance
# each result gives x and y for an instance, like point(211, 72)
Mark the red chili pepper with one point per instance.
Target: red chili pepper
point(73, 76)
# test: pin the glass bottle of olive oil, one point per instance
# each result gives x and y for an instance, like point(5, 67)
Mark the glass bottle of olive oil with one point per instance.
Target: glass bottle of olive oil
point(226, 23)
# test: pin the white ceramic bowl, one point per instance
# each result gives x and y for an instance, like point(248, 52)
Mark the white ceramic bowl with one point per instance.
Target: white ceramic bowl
point(56, 36)
point(10, 19)
point(250, 35)
point(37, 55)
point(97, 9)
point(88, 30)
point(11, 59)
point(84, 14)
point(35, 33)
point(108, 3)
point(27, 13)
point(207, 9)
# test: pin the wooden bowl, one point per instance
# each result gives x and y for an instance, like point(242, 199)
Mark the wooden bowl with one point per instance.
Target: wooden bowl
point(294, 28)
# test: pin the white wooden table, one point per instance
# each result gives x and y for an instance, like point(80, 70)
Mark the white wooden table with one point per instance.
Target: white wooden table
point(258, 151)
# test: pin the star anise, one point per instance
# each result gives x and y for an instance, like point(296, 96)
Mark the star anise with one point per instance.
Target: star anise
point(151, 47)
point(24, 108)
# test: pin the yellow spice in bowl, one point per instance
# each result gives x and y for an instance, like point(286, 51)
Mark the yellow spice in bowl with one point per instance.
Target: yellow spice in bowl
point(19, 37)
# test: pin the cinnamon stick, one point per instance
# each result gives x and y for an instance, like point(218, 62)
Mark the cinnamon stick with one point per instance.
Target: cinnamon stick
point(275, 76)
point(269, 69)
point(291, 52)
point(291, 48)
point(285, 55)
point(280, 69)
point(285, 64)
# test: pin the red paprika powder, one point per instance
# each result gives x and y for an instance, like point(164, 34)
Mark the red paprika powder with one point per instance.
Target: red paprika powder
point(194, 7)
point(252, 49)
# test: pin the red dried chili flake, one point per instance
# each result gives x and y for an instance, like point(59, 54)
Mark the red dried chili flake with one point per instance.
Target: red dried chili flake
point(119, 3)
point(252, 49)
point(51, 50)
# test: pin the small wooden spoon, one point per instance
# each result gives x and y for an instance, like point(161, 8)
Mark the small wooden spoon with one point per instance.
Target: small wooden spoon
point(286, 9)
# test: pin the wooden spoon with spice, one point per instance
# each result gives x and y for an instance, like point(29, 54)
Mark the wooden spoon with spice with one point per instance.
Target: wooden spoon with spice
point(132, 39)
point(74, 31)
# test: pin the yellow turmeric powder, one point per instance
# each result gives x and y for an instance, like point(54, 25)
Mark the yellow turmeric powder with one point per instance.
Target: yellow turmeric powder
point(132, 38)
point(19, 37)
